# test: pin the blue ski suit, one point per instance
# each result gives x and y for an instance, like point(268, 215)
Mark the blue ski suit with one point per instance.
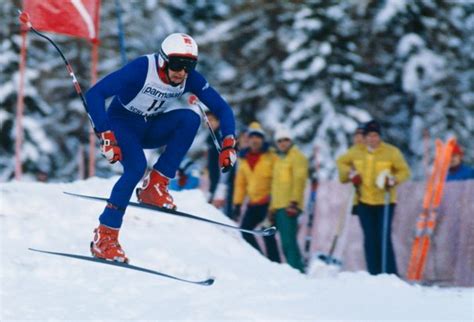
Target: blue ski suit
point(137, 127)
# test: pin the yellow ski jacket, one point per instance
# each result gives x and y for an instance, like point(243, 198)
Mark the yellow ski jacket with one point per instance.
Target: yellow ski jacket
point(369, 164)
point(290, 173)
point(254, 184)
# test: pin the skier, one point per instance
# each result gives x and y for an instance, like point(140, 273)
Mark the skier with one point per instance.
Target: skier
point(290, 173)
point(253, 183)
point(362, 167)
point(458, 170)
point(141, 116)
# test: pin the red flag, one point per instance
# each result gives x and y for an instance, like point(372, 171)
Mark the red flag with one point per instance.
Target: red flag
point(79, 18)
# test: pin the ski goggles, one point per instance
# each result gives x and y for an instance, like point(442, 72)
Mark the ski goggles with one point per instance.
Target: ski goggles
point(178, 63)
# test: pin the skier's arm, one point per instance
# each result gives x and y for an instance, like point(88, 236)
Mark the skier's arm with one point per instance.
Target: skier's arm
point(126, 79)
point(401, 170)
point(198, 85)
point(300, 175)
point(344, 166)
point(240, 187)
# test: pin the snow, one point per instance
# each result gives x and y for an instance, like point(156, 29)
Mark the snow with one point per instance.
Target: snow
point(409, 42)
point(421, 69)
point(390, 10)
point(248, 286)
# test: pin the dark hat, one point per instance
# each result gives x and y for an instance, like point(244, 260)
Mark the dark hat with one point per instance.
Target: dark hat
point(372, 126)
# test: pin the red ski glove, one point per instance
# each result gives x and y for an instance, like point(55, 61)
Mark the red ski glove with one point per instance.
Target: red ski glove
point(355, 177)
point(228, 155)
point(109, 147)
point(292, 210)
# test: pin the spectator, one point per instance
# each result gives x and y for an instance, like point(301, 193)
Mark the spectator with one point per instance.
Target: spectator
point(358, 136)
point(187, 176)
point(362, 167)
point(213, 167)
point(290, 173)
point(253, 180)
point(457, 169)
point(358, 144)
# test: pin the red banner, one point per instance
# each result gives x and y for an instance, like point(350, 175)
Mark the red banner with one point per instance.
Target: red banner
point(79, 18)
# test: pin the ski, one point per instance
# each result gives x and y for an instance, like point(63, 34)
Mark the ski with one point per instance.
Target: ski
point(426, 221)
point(421, 221)
point(263, 232)
point(432, 218)
point(207, 282)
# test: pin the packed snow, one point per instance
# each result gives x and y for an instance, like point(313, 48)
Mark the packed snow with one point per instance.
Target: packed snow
point(43, 287)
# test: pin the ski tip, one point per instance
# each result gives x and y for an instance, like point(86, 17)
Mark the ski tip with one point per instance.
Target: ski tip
point(269, 231)
point(330, 260)
point(208, 282)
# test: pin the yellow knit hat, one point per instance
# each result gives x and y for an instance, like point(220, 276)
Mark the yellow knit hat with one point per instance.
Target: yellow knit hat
point(255, 129)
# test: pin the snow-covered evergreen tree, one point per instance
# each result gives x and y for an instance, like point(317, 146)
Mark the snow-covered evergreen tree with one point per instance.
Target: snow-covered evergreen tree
point(317, 66)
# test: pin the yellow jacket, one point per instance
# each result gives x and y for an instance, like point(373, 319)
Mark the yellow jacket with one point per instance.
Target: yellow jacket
point(290, 173)
point(369, 165)
point(256, 183)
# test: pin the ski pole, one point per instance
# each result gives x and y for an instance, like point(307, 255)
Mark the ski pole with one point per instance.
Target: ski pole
point(193, 100)
point(309, 225)
point(385, 231)
point(25, 19)
point(342, 220)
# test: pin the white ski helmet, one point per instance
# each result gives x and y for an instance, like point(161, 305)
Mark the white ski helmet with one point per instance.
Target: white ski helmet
point(178, 51)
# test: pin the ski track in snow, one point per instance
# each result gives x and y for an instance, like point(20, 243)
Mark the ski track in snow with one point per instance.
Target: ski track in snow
point(43, 287)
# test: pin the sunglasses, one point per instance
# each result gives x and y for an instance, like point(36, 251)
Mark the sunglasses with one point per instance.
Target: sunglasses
point(177, 64)
point(283, 140)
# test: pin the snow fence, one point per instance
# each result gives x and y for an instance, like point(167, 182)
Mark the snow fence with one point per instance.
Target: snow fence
point(451, 258)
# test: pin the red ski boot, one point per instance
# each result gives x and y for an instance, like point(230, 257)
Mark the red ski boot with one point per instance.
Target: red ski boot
point(106, 246)
point(155, 191)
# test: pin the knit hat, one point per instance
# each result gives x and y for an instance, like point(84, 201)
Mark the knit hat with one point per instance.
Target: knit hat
point(372, 126)
point(282, 133)
point(255, 129)
point(458, 150)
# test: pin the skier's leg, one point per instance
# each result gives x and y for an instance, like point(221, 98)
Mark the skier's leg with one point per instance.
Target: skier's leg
point(369, 228)
point(250, 220)
point(287, 226)
point(134, 167)
point(391, 260)
point(176, 130)
point(105, 243)
point(271, 245)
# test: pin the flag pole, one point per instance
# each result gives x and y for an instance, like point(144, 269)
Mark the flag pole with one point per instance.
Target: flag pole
point(20, 103)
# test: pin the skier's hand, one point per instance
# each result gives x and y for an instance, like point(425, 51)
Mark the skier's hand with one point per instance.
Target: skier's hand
point(355, 178)
point(109, 147)
point(390, 182)
point(271, 216)
point(292, 210)
point(228, 155)
point(236, 212)
point(218, 203)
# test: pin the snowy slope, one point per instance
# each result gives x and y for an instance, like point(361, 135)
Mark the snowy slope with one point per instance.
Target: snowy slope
point(248, 287)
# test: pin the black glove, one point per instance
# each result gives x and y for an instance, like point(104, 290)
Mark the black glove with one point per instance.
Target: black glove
point(236, 212)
